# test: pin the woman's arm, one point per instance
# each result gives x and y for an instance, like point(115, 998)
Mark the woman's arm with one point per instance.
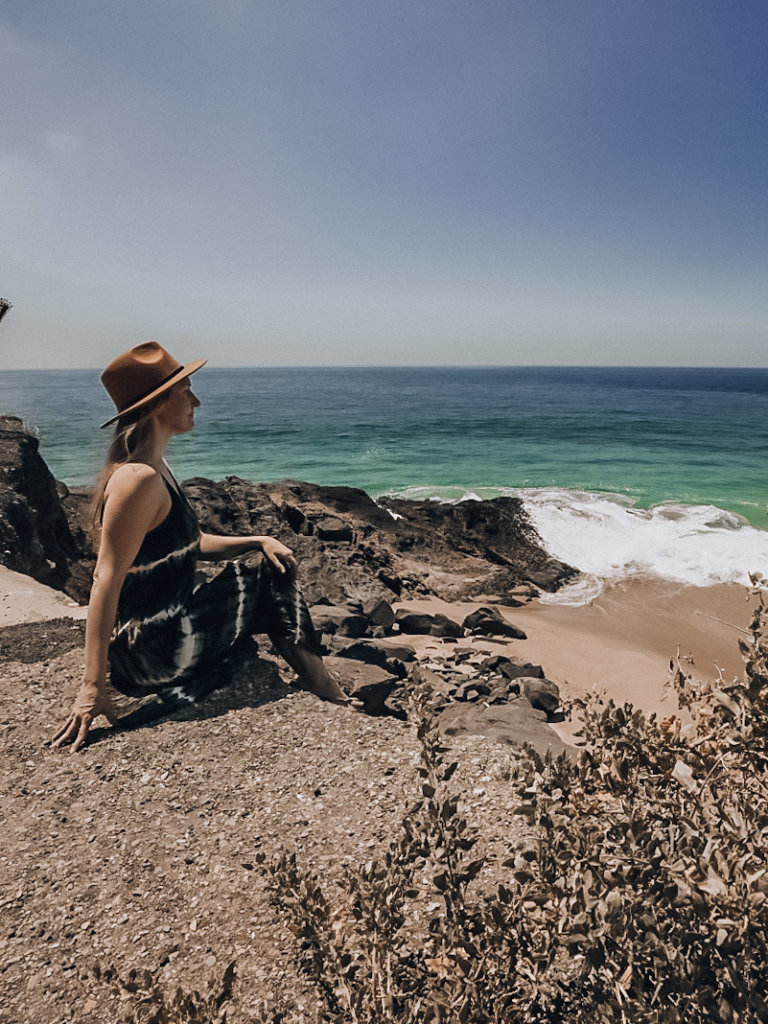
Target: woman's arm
point(214, 546)
point(135, 501)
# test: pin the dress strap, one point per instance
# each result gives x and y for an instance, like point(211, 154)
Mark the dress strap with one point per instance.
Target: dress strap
point(171, 480)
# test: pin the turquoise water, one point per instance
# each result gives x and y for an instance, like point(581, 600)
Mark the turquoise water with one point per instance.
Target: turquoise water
point(624, 472)
point(691, 436)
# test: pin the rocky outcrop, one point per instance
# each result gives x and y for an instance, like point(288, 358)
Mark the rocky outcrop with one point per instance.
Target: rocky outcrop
point(356, 558)
point(35, 537)
point(353, 551)
point(495, 536)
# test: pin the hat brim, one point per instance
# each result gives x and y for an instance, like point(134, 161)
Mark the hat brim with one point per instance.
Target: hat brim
point(180, 374)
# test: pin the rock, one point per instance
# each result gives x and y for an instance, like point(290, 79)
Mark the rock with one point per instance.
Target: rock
point(379, 611)
point(424, 624)
point(350, 548)
point(496, 532)
point(472, 690)
point(480, 615)
point(515, 723)
point(338, 621)
point(35, 538)
point(369, 683)
point(490, 622)
point(540, 693)
point(512, 668)
point(387, 656)
point(330, 528)
point(374, 696)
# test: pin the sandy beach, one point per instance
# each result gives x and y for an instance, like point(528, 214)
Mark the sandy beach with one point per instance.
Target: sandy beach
point(620, 645)
point(622, 642)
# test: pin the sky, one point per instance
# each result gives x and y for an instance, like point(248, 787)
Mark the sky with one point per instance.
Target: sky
point(377, 182)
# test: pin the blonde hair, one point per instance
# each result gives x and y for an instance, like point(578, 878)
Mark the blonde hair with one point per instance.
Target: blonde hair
point(130, 439)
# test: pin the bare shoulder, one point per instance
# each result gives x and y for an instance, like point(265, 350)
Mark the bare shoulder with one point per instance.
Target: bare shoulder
point(135, 500)
point(135, 480)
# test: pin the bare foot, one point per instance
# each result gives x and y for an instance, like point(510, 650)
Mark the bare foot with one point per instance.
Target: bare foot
point(329, 690)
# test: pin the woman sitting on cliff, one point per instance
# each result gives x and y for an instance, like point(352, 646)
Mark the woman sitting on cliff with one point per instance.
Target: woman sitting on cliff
point(159, 634)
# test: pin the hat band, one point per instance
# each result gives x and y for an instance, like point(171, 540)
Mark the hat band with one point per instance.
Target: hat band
point(153, 388)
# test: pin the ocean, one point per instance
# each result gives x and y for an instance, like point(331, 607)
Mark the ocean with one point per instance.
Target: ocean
point(625, 471)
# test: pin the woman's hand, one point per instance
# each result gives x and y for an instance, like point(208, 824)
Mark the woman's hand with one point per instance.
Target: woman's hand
point(89, 704)
point(281, 557)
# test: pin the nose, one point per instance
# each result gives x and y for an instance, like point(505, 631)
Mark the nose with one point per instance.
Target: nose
point(195, 400)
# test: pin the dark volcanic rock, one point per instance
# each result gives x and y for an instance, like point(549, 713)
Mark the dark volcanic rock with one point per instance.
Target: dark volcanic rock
point(380, 612)
point(424, 624)
point(540, 693)
point(496, 533)
point(338, 621)
point(76, 503)
point(35, 538)
point(512, 668)
point(490, 622)
point(351, 550)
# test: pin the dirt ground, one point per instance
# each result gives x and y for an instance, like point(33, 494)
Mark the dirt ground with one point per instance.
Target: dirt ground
point(142, 850)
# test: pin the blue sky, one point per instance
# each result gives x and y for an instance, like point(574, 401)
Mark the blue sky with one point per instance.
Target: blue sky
point(302, 182)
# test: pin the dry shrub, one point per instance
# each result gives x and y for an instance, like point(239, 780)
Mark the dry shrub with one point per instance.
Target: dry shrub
point(638, 894)
point(637, 889)
point(150, 1003)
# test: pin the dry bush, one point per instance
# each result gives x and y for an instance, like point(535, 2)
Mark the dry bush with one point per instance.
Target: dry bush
point(637, 889)
point(150, 1003)
point(642, 896)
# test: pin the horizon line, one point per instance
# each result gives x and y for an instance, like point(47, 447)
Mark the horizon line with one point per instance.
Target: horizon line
point(418, 366)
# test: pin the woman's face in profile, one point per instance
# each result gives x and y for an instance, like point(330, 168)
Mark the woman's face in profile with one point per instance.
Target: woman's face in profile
point(177, 412)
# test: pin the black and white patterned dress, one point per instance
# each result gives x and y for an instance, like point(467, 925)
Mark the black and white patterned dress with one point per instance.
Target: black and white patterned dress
point(171, 637)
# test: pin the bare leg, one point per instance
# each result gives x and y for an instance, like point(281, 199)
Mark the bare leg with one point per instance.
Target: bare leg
point(311, 670)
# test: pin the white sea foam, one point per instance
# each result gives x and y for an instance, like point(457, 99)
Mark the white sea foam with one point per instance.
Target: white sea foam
point(609, 539)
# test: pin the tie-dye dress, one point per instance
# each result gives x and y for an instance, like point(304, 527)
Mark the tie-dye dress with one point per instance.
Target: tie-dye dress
point(171, 636)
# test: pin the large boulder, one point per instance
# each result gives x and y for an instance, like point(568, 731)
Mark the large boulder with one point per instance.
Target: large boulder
point(35, 538)
point(487, 621)
point(424, 624)
point(540, 693)
point(338, 621)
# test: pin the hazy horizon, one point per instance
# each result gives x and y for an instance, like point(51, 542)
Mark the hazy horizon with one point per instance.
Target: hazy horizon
point(417, 366)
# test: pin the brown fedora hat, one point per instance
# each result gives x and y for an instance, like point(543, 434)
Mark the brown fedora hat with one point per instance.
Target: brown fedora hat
point(141, 374)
